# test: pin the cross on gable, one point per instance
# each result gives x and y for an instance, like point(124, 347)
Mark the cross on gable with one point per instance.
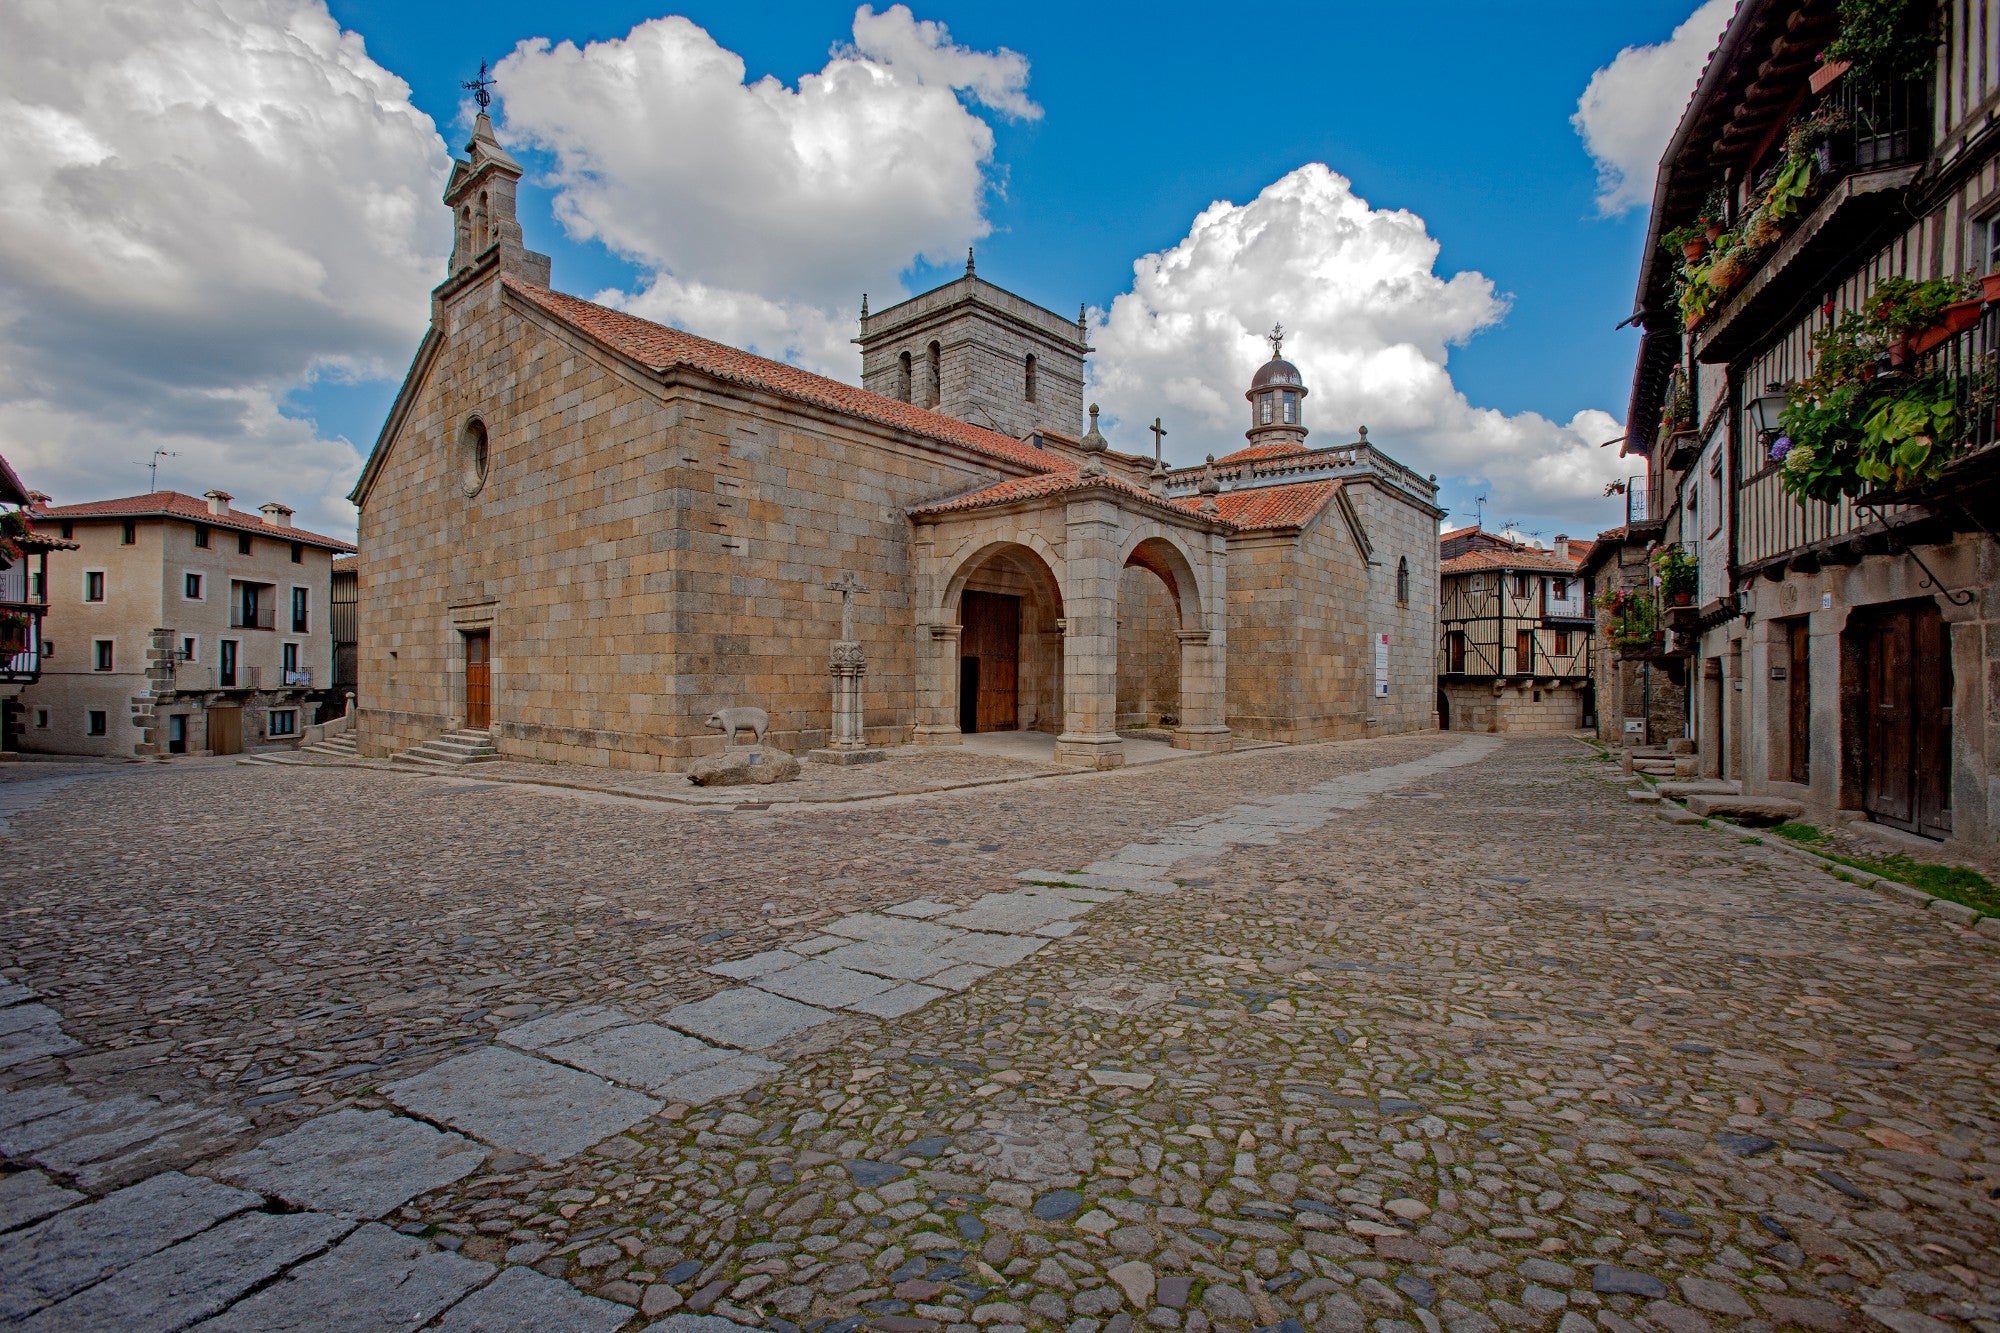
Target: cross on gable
point(1159, 433)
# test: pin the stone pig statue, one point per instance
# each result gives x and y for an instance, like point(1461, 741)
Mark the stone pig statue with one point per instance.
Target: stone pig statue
point(733, 720)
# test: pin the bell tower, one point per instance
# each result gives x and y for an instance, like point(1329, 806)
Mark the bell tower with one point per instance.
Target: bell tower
point(481, 195)
point(1277, 397)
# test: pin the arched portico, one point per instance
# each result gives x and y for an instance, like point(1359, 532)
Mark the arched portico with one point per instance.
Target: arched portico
point(1061, 554)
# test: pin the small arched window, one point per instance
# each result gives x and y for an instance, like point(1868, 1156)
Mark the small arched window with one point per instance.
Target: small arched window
point(934, 390)
point(903, 377)
point(1029, 378)
point(482, 224)
point(1403, 581)
point(1291, 408)
point(1264, 409)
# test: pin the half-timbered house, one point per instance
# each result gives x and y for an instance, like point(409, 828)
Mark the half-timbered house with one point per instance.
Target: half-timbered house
point(1515, 633)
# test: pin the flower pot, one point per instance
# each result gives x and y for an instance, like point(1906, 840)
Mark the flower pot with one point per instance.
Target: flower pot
point(1681, 598)
point(1989, 287)
point(1694, 249)
point(1712, 228)
point(1827, 75)
point(1958, 317)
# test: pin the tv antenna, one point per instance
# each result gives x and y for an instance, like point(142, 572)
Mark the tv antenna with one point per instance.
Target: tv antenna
point(153, 467)
point(1478, 511)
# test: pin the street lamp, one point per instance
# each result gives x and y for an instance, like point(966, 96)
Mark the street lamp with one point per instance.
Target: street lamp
point(1767, 408)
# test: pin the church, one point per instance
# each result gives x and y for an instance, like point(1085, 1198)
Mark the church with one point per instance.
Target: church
point(583, 533)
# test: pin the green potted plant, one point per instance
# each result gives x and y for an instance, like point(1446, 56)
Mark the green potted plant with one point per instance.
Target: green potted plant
point(1691, 241)
point(1677, 571)
point(1634, 626)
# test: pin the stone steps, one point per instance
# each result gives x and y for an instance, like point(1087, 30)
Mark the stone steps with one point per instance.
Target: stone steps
point(341, 746)
point(452, 750)
point(1749, 809)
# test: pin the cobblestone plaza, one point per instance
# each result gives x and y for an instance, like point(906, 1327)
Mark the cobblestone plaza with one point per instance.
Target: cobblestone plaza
point(1415, 1033)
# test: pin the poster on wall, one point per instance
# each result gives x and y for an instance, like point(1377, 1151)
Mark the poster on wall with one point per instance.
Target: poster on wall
point(1381, 666)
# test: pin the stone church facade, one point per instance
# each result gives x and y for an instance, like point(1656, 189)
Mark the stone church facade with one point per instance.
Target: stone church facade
point(585, 532)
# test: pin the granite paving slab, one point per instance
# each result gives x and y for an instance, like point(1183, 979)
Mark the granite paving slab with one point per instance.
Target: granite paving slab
point(887, 960)
point(169, 1135)
point(959, 977)
point(745, 1017)
point(28, 1104)
point(33, 1043)
point(921, 908)
point(521, 1300)
point(13, 992)
point(77, 1119)
point(375, 1279)
point(644, 1055)
point(902, 932)
point(740, 1073)
point(1015, 913)
point(992, 950)
point(73, 1249)
point(1160, 854)
point(756, 965)
point(503, 1097)
point(898, 1000)
point(819, 944)
point(177, 1287)
point(822, 983)
point(568, 1025)
point(30, 1196)
point(695, 1323)
point(358, 1164)
point(21, 1017)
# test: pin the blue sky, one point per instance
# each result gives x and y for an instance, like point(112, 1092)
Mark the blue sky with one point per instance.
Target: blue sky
point(1458, 112)
point(1451, 280)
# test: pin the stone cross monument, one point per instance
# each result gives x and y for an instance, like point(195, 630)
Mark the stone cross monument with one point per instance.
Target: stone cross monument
point(847, 665)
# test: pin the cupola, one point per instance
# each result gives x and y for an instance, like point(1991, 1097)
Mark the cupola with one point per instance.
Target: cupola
point(1277, 397)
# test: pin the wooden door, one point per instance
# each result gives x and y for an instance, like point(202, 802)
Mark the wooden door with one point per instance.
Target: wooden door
point(1906, 707)
point(1931, 758)
point(478, 681)
point(225, 731)
point(992, 634)
point(1798, 689)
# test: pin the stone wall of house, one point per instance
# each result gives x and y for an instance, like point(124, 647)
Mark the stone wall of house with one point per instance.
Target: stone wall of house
point(1299, 662)
point(1517, 706)
point(1149, 654)
point(1633, 691)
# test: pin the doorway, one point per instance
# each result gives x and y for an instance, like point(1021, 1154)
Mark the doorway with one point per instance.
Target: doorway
point(989, 659)
point(225, 731)
point(478, 680)
point(1906, 719)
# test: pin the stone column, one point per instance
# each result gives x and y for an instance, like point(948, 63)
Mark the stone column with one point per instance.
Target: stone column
point(937, 685)
point(1202, 722)
point(848, 666)
point(1090, 570)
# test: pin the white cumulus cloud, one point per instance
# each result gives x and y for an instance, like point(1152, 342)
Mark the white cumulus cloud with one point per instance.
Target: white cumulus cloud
point(760, 212)
point(208, 204)
point(1368, 321)
point(1630, 107)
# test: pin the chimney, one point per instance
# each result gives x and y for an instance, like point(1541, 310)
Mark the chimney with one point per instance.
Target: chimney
point(37, 501)
point(218, 501)
point(276, 514)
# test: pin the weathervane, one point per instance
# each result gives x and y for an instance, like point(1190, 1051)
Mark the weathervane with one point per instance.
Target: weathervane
point(1276, 337)
point(478, 87)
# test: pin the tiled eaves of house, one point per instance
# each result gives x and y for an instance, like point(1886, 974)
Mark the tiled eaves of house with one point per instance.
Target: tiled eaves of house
point(178, 505)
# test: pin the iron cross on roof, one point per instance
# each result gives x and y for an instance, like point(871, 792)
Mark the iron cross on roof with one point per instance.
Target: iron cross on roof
point(846, 585)
point(479, 88)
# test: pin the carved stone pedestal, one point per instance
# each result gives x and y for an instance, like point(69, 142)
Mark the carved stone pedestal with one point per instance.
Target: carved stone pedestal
point(847, 666)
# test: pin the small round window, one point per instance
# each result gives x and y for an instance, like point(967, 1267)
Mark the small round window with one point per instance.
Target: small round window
point(472, 456)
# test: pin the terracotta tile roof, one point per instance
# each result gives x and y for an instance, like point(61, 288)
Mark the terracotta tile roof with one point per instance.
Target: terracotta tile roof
point(1275, 449)
point(661, 348)
point(1473, 562)
point(173, 504)
point(1042, 485)
point(1286, 506)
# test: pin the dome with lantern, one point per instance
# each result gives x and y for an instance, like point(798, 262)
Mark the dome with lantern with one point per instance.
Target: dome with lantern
point(1277, 399)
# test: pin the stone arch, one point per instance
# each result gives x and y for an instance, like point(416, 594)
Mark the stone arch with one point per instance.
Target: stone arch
point(1007, 600)
point(1159, 597)
point(1152, 548)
